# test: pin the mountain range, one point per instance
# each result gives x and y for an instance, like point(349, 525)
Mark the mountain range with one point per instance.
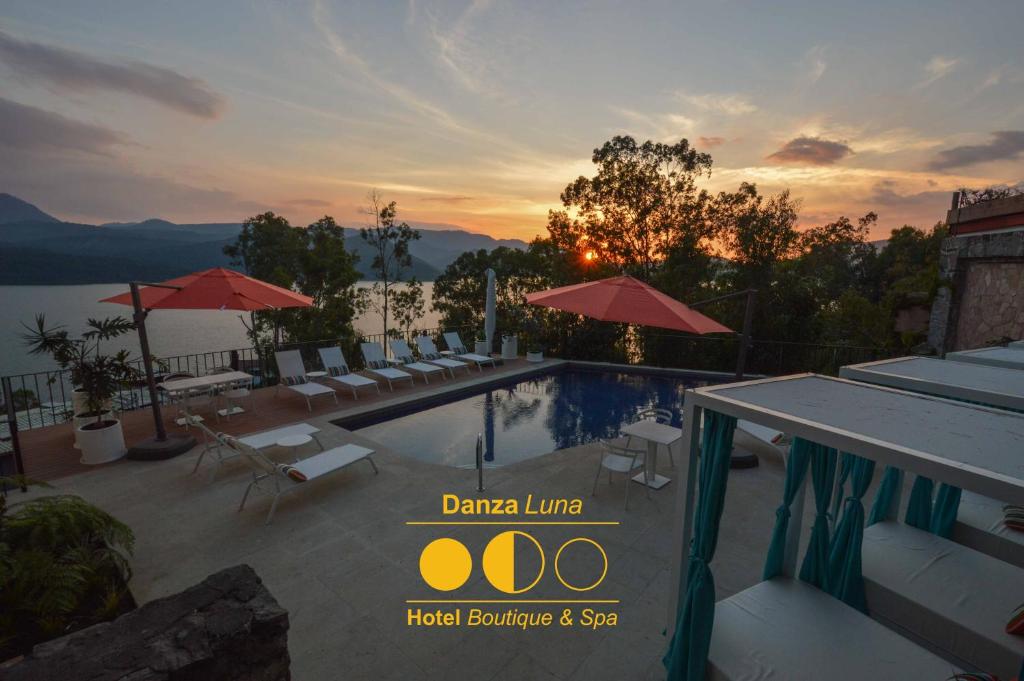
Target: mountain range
point(37, 248)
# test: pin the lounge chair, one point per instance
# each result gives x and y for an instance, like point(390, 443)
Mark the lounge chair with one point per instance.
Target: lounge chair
point(429, 353)
point(337, 370)
point(373, 355)
point(280, 479)
point(293, 377)
point(456, 346)
point(223, 447)
point(403, 353)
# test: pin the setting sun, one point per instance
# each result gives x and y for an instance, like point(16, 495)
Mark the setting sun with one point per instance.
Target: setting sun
point(589, 256)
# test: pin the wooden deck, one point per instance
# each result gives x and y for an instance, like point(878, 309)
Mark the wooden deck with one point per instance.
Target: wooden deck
point(49, 453)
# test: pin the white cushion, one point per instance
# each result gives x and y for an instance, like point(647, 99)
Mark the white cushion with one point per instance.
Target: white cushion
point(422, 367)
point(269, 438)
point(393, 374)
point(310, 389)
point(479, 359)
point(354, 379)
point(449, 363)
point(331, 460)
point(979, 525)
point(951, 598)
point(786, 629)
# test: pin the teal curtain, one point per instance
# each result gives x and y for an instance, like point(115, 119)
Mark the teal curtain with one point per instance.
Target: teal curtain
point(845, 464)
point(823, 470)
point(687, 656)
point(947, 505)
point(796, 470)
point(885, 496)
point(844, 560)
point(919, 508)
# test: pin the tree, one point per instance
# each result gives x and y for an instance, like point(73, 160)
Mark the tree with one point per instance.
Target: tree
point(391, 257)
point(642, 204)
point(408, 305)
point(758, 231)
point(311, 260)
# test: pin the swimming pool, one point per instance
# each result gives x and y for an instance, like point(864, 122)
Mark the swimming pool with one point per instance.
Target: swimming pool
point(526, 418)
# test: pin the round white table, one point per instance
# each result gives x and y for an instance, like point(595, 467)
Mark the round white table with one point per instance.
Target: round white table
point(293, 442)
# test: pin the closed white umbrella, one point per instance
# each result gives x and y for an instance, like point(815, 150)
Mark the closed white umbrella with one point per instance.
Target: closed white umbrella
point(490, 313)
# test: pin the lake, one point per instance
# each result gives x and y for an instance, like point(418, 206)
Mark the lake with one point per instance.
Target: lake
point(171, 332)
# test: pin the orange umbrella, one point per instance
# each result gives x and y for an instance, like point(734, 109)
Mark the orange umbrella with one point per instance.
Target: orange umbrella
point(629, 300)
point(214, 289)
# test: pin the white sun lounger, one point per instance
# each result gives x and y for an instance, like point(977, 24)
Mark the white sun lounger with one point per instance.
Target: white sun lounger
point(373, 355)
point(950, 598)
point(760, 440)
point(786, 629)
point(223, 447)
point(980, 524)
point(293, 377)
point(400, 349)
point(456, 346)
point(274, 479)
point(338, 371)
point(429, 353)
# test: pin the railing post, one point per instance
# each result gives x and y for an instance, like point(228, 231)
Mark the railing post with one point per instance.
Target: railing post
point(12, 426)
point(480, 462)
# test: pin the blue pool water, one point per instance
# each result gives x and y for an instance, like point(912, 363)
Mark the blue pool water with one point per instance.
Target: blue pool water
point(528, 418)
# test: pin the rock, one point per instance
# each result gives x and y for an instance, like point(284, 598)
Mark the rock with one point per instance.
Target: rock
point(226, 628)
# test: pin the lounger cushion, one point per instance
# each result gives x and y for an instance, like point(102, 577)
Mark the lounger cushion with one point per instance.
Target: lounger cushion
point(786, 629)
point(393, 374)
point(449, 363)
point(354, 379)
point(421, 366)
point(331, 460)
point(310, 389)
point(479, 359)
point(949, 597)
point(981, 525)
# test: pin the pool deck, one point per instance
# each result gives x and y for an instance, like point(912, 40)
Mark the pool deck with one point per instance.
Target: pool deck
point(341, 558)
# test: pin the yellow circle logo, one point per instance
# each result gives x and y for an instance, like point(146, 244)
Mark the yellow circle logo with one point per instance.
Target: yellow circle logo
point(499, 562)
point(604, 569)
point(445, 564)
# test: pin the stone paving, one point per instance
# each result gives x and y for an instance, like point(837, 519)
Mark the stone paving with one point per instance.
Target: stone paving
point(341, 559)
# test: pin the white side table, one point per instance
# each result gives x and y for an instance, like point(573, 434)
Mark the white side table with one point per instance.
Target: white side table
point(293, 442)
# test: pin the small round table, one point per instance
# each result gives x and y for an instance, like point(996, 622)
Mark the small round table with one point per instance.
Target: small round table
point(293, 442)
point(313, 375)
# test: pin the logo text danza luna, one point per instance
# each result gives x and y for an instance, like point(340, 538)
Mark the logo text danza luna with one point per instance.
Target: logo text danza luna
point(451, 504)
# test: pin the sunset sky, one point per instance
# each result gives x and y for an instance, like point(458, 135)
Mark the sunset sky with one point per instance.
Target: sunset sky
point(479, 113)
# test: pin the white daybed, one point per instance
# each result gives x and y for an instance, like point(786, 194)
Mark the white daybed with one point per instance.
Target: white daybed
point(776, 626)
point(1008, 358)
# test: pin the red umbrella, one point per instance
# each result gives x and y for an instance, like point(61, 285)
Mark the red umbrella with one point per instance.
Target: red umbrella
point(629, 300)
point(215, 289)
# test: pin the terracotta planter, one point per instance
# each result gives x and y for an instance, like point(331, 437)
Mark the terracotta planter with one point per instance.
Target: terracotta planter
point(103, 444)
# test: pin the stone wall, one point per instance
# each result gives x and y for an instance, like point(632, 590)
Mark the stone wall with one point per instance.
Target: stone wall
point(982, 297)
point(992, 307)
point(227, 628)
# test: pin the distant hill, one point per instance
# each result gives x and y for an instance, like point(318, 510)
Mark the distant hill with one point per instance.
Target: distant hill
point(13, 209)
point(40, 249)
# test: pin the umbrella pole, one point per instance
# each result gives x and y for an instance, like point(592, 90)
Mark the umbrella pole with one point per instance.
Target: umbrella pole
point(147, 361)
point(163, 446)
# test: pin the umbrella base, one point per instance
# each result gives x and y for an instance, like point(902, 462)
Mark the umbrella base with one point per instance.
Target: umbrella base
point(152, 449)
point(738, 460)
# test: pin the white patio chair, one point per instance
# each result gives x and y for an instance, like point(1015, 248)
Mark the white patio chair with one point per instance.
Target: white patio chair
point(403, 353)
point(337, 370)
point(234, 393)
point(373, 355)
point(223, 447)
point(429, 353)
point(658, 415)
point(618, 459)
point(293, 377)
point(193, 401)
point(280, 479)
point(456, 346)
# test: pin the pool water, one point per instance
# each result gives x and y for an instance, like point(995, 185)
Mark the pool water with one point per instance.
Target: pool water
point(528, 418)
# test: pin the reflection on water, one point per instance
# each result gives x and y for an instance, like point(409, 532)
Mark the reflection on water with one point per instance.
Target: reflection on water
point(529, 418)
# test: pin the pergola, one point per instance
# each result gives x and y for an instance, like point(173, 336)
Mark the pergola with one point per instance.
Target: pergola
point(1008, 358)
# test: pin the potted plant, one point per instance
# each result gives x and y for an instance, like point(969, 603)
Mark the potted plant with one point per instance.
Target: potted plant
point(535, 353)
point(99, 376)
point(481, 345)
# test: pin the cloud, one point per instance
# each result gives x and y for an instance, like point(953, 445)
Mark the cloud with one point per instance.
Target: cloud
point(812, 151)
point(80, 72)
point(308, 203)
point(449, 200)
point(32, 129)
point(815, 64)
point(711, 142)
point(1005, 145)
point(731, 105)
point(936, 68)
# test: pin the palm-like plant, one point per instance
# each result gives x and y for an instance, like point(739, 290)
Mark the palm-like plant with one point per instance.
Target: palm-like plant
point(100, 376)
point(63, 566)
